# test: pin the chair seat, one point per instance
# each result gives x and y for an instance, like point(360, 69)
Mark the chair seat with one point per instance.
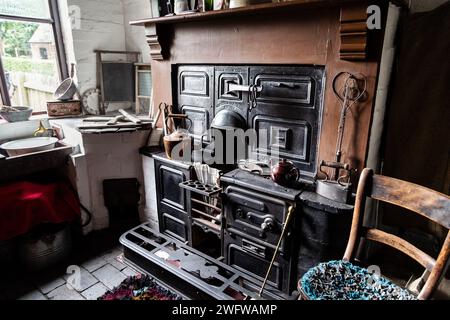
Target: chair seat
point(341, 280)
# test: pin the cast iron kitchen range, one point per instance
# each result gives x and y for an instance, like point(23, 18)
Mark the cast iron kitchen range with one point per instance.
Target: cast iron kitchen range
point(245, 221)
point(228, 150)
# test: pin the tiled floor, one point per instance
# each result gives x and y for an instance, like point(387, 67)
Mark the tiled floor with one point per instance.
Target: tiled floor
point(96, 276)
point(96, 260)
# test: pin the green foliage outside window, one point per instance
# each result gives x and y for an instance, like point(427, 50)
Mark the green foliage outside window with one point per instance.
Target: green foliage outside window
point(15, 36)
point(29, 66)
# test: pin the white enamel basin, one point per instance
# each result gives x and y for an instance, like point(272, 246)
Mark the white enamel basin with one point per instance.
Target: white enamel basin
point(24, 146)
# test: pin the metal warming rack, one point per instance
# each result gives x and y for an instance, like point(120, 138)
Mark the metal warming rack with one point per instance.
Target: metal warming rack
point(187, 271)
point(205, 207)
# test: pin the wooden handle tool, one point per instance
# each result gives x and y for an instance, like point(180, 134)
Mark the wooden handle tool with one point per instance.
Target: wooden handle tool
point(130, 117)
point(115, 120)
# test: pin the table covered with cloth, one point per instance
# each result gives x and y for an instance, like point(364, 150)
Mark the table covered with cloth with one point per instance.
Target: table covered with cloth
point(28, 204)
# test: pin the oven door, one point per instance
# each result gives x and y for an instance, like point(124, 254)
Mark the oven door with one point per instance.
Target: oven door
point(256, 214)
point(253, 257)
point(289, 111)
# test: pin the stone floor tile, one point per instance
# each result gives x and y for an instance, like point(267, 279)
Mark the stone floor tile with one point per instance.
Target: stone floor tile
point(116, 264)
point(95, 291)
point(129, 272)
point(109, 276)
point(48, 286)
point(64, 293)
point(34, 295)
point(94, 264)
point(86, 280)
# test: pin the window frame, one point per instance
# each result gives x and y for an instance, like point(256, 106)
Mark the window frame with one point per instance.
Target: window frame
point(55, 22)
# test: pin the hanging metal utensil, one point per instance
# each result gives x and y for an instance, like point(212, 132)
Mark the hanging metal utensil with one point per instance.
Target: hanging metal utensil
point(338, 187)
point(348, 95)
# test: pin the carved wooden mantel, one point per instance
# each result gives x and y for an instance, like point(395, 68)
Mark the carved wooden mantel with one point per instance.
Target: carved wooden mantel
point(153, 41)
point(330, 33)
point(353, 29)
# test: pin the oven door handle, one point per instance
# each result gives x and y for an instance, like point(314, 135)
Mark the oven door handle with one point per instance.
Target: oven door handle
point(253, 248)
point(285, 85)
point(239, 87)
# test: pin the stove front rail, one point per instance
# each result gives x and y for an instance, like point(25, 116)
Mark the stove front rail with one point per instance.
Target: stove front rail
point(189, 272)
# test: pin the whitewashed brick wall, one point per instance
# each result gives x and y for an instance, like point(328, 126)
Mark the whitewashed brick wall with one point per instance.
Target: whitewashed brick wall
point(112, 156)
point(135, 36)
point(150, 210)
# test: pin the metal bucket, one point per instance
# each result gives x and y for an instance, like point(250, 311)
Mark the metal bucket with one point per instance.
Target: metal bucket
point(45, 248)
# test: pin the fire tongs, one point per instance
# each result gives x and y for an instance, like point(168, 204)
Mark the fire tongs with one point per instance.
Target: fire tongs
point(338, 187)
point(291, 210)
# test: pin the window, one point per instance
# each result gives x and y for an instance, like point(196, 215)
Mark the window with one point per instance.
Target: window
point(32, 61)
point(44, 54)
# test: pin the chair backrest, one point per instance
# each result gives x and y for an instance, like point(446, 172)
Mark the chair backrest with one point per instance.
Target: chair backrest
point(429, 203)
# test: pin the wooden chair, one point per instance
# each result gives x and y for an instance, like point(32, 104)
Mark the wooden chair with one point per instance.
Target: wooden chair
point(423, 201)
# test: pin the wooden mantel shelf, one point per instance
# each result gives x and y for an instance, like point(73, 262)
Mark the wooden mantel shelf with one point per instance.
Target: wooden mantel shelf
point(249, 10)
point(153, 25)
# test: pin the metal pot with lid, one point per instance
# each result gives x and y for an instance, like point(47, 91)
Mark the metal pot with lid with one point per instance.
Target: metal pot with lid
point(228, 120)
point(225, 121)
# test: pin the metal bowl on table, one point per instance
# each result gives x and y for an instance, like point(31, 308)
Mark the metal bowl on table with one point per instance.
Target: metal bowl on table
point(16, 114)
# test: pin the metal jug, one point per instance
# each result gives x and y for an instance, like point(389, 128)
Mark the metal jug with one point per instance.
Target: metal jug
point(179, 143)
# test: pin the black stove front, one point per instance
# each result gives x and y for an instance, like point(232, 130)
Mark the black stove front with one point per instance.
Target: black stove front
point(278, 107)
point(255, 210)
point(283, 106)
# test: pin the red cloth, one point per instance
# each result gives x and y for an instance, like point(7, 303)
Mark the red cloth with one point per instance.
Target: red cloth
point(25, 205)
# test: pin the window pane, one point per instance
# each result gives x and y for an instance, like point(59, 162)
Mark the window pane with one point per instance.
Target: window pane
point(25, 8)
point(30, 61)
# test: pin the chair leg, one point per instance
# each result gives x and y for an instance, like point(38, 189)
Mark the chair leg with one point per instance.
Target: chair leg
point(301, 295)
point(416, 285)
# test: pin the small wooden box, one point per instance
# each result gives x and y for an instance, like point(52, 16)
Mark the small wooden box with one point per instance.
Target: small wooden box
point(64, 108)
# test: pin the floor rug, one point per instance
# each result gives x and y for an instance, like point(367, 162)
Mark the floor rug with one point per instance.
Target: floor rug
point(139, 287)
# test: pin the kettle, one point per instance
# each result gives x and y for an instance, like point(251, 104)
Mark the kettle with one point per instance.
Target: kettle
point(285, 173)
point(178, 144)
